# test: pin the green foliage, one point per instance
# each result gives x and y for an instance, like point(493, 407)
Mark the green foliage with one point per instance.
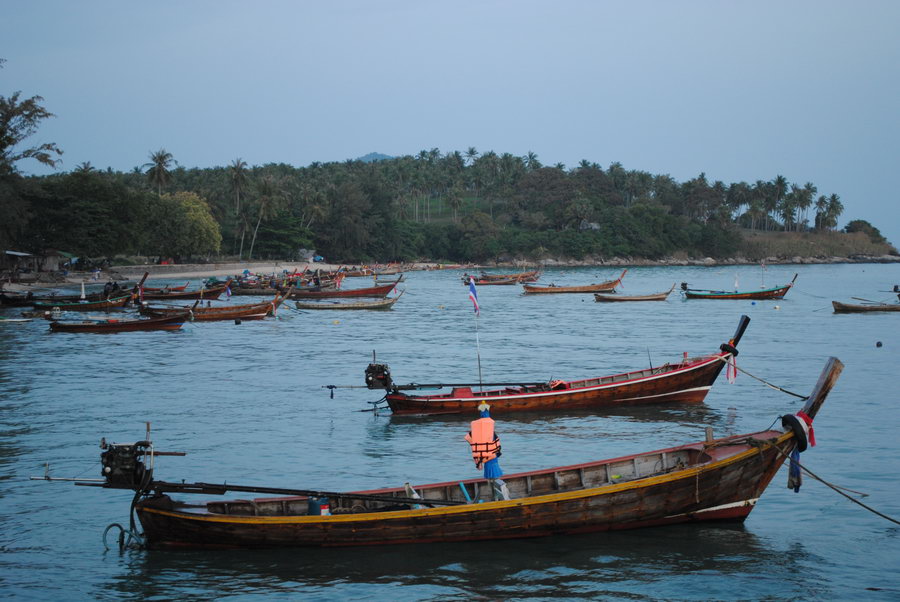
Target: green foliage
point(861, 225)
point(181, 226)
point(19, 120)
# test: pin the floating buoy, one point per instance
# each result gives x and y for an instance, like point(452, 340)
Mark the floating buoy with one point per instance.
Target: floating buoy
point(336, 322)
point(237, 320)
point(777, 307)
point(878, 344)
point(753, 303)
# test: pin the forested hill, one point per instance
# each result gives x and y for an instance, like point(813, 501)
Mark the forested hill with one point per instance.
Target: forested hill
point(458, 206)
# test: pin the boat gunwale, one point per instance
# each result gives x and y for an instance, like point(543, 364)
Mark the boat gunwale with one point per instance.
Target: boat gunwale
point(770, 438)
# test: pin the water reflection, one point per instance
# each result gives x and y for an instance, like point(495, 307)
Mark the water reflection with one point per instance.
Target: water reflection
point(642, 564)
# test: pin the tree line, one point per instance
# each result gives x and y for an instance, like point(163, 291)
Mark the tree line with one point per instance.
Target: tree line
point(458, 206)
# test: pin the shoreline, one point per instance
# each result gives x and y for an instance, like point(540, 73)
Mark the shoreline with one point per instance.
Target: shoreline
point(204, 270)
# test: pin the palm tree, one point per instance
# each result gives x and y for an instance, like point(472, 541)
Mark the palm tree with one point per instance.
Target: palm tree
point(237, 176)
point(531, 161)
point(84, 167)
point(267, 205)
point(773, 201)
point(821, 211)
point(471, 155)
point(806, 201)
point(158, 173)
point(834, 211)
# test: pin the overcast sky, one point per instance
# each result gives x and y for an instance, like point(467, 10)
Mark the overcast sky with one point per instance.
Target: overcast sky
point(742, 91)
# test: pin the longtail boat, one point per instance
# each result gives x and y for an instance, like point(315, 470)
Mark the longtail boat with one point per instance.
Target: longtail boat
point(851, 308)
point(86, 305)
point(212, 292)
point(531, 276)
point(506, 281)
point(603, 298)
point(600, 287)
point(385, 303)
point(716, 479)
point(372, 291)
point(777, 292)
point(177, 289)
point(686, 380)
point(246, 311)
point(171, 322)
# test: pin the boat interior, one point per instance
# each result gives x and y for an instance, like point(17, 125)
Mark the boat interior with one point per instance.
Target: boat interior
point(473, 491)
point(556, 385)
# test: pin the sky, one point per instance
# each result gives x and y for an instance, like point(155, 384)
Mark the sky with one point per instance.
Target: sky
point(740, 91)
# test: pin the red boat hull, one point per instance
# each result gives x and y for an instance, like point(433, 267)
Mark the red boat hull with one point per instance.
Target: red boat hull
point(686, 382)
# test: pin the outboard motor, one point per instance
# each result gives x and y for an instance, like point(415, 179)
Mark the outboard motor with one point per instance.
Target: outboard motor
point(378, 376)
point(684, 286)
point(123, 464)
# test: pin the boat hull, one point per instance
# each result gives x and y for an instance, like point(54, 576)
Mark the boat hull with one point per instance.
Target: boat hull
point(776, 293)
point(723, 488)
point(111, 326)
point(850, 308)
point(680, 383)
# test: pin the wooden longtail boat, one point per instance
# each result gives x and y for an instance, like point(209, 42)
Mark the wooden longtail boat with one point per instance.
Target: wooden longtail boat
point(385, 303)
point(601, 287)
point(247, 311)
point(652, 297)
point(176, 289)
point(372, 291)
point(777, 292)
point(87, 305)
point(851, 308)
point(508, 281)
point(531, 276)
point(172, 322)
point(203, 293)
point(711, 480)
point(688, 380)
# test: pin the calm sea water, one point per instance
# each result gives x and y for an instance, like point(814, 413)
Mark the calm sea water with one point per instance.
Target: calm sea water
point(246, 404)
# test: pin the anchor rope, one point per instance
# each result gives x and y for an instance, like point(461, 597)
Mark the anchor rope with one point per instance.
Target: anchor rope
point(763, 381)
point(838, 489)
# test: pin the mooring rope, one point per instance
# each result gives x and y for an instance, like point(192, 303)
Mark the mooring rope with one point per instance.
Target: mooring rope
point(837, 488)
point(763, 381)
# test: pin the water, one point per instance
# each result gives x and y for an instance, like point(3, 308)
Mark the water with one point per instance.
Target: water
point(246, 404)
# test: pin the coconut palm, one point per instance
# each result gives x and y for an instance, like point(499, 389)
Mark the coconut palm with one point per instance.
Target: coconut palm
point(471, 155)
point(158, 173)
point(237, 177)
point(834, 211)
point(267, 205)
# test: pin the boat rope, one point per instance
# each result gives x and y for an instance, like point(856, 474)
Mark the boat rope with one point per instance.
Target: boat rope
point(838, 488)
point(763, 381)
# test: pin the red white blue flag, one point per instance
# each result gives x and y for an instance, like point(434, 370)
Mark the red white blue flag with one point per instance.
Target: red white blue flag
point(473, 294)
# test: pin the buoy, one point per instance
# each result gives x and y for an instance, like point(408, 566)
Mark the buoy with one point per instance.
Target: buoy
point(777, 307)
point(878, 344)
point(336, 322)
point(753, 303)
point(237, 320)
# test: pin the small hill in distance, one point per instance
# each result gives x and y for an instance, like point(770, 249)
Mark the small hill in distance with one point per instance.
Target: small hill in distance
point(372, 157)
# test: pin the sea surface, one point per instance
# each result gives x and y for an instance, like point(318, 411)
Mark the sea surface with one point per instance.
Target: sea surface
point(246, 403)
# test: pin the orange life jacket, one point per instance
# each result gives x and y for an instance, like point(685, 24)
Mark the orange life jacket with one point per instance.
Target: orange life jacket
point(484, 441)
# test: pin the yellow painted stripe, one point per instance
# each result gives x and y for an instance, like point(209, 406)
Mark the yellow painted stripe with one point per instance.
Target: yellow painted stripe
point(448, 510)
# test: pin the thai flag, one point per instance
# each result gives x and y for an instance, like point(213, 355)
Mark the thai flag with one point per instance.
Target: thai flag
point(473, 295)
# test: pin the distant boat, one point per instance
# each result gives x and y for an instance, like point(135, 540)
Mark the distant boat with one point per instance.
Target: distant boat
point(777, 292)
point(372, 291)
point(850, 308)
point(386, 303)
point(86, 305)
point(173, 322)
point(651, 297)
point(600, 287)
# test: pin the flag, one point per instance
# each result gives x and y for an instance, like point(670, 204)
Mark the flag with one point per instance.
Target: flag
point(473, 294)
point(228, 292)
